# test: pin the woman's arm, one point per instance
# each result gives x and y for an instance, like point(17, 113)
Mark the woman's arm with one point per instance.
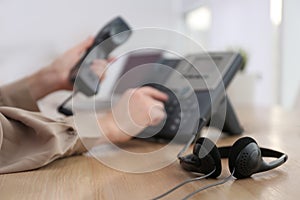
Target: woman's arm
point(29, 140)
point(55, 76)
point(51, 78)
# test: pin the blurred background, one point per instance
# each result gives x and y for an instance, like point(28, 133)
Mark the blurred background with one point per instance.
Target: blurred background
point(33, 33)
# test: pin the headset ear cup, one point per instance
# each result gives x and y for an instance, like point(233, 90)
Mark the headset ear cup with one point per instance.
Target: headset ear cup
point(235, 150)
point(204, 148)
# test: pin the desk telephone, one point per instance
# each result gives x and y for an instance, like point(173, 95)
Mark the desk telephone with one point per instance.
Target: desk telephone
point(209, 92)
point(178, 114)
point(207, 86)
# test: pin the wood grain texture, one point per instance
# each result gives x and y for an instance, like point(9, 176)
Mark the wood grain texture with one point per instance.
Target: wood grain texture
point(82, 177)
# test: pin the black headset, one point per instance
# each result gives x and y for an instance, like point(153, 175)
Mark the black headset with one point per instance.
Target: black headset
point(245, 158)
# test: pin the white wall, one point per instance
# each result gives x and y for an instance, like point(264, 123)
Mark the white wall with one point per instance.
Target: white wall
point(290, 54)
point(246, 24)
point(273, 51)
point(34, 32)
point(242, 24)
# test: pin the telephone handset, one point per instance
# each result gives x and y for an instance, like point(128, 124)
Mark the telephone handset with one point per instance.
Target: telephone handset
point(113, 34)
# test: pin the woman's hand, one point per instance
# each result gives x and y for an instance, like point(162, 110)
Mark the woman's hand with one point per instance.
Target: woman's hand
point(56, 76)
point(136, 110)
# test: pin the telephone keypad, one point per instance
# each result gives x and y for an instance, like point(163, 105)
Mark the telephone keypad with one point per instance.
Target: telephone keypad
point(178, 113)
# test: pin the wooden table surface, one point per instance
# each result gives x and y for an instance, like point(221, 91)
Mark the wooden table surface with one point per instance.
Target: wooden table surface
point(82, 177)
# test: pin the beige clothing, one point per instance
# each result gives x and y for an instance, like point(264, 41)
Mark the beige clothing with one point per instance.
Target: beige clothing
point(29, 140)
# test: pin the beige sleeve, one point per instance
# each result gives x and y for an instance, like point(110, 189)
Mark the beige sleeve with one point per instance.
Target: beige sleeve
point(17, 95)
point(29, 140)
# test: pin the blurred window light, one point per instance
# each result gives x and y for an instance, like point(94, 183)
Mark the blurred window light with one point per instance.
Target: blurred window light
point(199, 19)
point(276, 12)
